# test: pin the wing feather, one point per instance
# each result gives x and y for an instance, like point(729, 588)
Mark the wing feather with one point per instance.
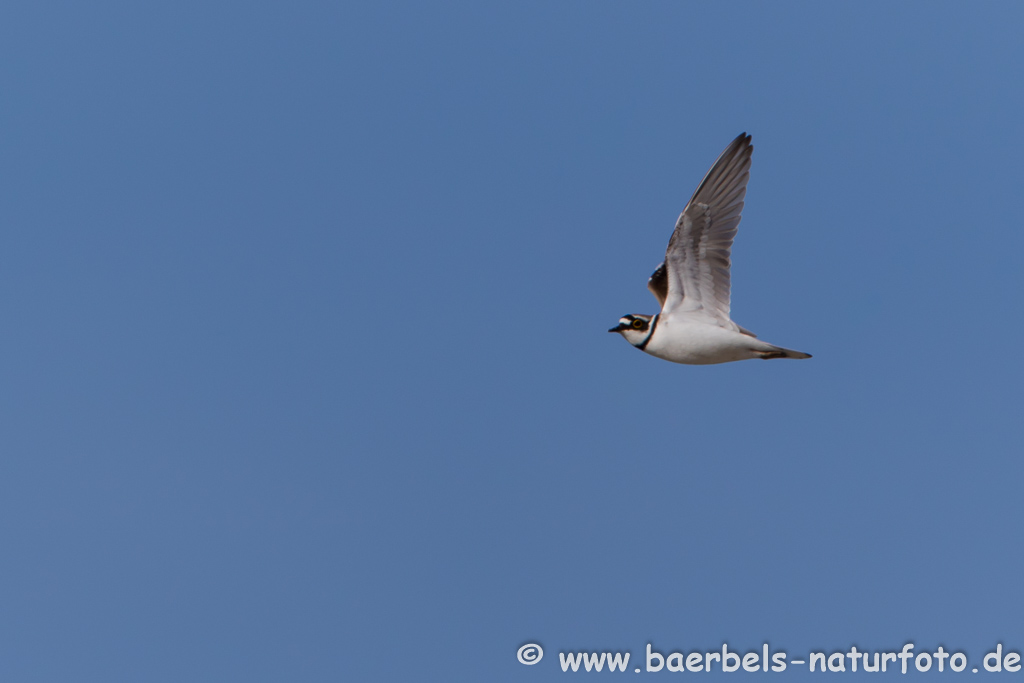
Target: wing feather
point(658, 283)
point(698, 258)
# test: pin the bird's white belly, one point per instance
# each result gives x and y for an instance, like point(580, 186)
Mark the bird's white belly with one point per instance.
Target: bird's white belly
point(696, 343)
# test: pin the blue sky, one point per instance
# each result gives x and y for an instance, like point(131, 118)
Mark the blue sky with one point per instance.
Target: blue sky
point(306, 373)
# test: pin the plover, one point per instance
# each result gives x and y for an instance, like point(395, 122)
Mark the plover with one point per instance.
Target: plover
point(692, 283)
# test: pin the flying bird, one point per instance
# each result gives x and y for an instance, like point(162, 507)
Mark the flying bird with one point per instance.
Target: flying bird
point(692, 283)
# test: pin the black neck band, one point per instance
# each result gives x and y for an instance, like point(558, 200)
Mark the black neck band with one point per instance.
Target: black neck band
point(654, 324)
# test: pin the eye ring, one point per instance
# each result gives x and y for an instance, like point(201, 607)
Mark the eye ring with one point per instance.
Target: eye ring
point(638, 324)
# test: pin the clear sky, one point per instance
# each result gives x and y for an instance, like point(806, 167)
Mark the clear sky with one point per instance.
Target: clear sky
point(305, 372)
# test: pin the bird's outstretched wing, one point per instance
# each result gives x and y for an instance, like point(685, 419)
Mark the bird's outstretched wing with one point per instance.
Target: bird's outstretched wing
point(697, 261)
point(658, 283)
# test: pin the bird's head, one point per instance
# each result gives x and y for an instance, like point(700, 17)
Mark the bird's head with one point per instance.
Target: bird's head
point(635, 328)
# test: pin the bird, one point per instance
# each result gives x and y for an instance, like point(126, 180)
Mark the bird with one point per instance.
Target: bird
point(692, 284)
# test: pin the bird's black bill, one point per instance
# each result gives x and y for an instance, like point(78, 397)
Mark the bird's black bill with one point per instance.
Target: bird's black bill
point(619, 328)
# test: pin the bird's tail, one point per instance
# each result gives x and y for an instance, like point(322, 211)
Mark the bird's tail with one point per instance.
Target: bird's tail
point(779, 352)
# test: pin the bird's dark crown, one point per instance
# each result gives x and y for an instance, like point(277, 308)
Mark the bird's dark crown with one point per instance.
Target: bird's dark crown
point(639, 323)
